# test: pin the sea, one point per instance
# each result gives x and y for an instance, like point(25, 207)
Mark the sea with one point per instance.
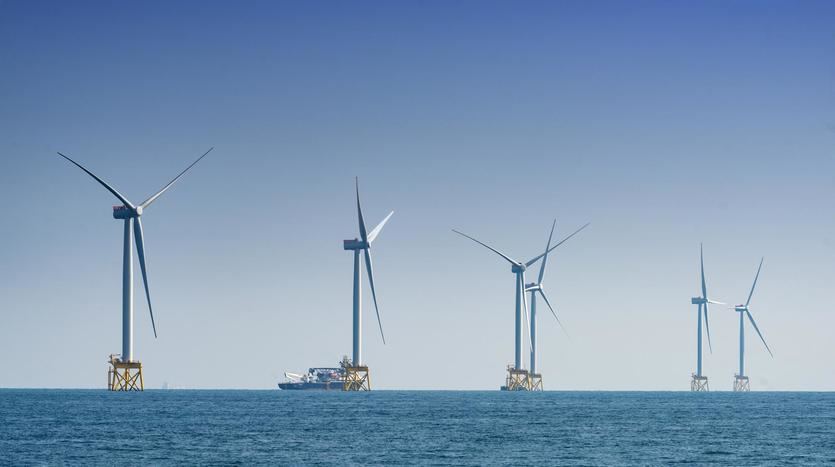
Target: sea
point(219, 427)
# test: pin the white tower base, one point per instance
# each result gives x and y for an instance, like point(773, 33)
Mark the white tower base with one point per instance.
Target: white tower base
point(741, 384)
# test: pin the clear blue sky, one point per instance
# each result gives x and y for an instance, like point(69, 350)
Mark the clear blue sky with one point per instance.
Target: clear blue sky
point(665, 124)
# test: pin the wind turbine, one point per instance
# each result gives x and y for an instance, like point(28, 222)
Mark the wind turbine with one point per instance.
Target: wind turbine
point(741, 383)
point(534, 288)
point(131, 213)
point(517, 376)
point(357, 374)
point(699, 381)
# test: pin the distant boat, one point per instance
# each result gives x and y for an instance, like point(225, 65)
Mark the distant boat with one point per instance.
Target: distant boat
point(316, 379)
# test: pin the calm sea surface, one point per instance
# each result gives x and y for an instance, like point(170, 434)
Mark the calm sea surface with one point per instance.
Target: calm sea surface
point(393, 427)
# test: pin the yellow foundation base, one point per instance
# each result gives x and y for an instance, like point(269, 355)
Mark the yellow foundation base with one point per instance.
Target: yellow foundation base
point(516, 380)
point(357, 378)
point(699, 384)
point(535, 382)
point(741, 384)
point(124, 376)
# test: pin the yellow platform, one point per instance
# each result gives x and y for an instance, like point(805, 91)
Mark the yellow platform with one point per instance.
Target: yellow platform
point(357, 378)
point(741, 384)
point(699, 384)
point(517, 380)
point(535, 382)
point(124, 376)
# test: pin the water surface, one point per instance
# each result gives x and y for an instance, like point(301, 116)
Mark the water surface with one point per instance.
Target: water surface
point(405, 427)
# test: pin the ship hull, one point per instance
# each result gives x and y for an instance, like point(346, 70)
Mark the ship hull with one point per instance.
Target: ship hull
point(299, 386)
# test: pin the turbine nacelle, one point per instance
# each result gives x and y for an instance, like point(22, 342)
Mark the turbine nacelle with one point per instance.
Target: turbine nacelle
point(698, 300)
point(125, 212)
point(122, 212)
point(532, 287)
point(517, 268)
point(355, 244)
point(740, 308)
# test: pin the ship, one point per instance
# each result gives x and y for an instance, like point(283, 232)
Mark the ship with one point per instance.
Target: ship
point(319, 378)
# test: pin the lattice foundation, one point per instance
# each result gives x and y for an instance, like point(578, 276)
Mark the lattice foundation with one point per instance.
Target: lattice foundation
point(741, 384)
point(516, 380)
point(357, 378)
point(535, 382)
point(699, 384)
point(124, 376)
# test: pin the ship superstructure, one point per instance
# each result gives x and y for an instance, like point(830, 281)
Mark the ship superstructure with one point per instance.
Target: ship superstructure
point(321, 378)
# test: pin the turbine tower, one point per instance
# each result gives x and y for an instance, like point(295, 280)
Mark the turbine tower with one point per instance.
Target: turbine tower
point(741, 383)
point(698, 382)
point(534, 288)
point(356, 374)
point(517, 376)
point(125, 373)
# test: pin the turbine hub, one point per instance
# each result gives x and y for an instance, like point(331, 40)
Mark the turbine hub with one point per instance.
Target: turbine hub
point(518, 267)
point(138, 211)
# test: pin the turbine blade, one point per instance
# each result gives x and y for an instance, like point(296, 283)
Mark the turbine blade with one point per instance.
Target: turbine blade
point(702, 263)
point(373, 234)
point(558, 244)
point(714, 302)
point(545, 255)
point(103, 183)
point(544, 297)
point(363, 233)
point(488, 247)
point(150, 200)
point(751, 318)
point(140, 249)
point(755, 283)
point(707, 327)
point(370, 270)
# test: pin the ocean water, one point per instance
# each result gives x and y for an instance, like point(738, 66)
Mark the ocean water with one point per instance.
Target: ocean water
point(415, 427)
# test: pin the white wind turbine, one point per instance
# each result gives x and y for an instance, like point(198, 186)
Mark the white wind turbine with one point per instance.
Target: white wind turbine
point(357, 245)
point(699, 381)
point(131, 213)
point(538, 287)
point(518, 268)
point(741, 380)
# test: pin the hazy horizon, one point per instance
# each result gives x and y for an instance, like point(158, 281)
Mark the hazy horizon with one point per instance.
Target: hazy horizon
point(664, 124)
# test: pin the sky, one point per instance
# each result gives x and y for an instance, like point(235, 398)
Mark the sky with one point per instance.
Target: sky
point(664, 124)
